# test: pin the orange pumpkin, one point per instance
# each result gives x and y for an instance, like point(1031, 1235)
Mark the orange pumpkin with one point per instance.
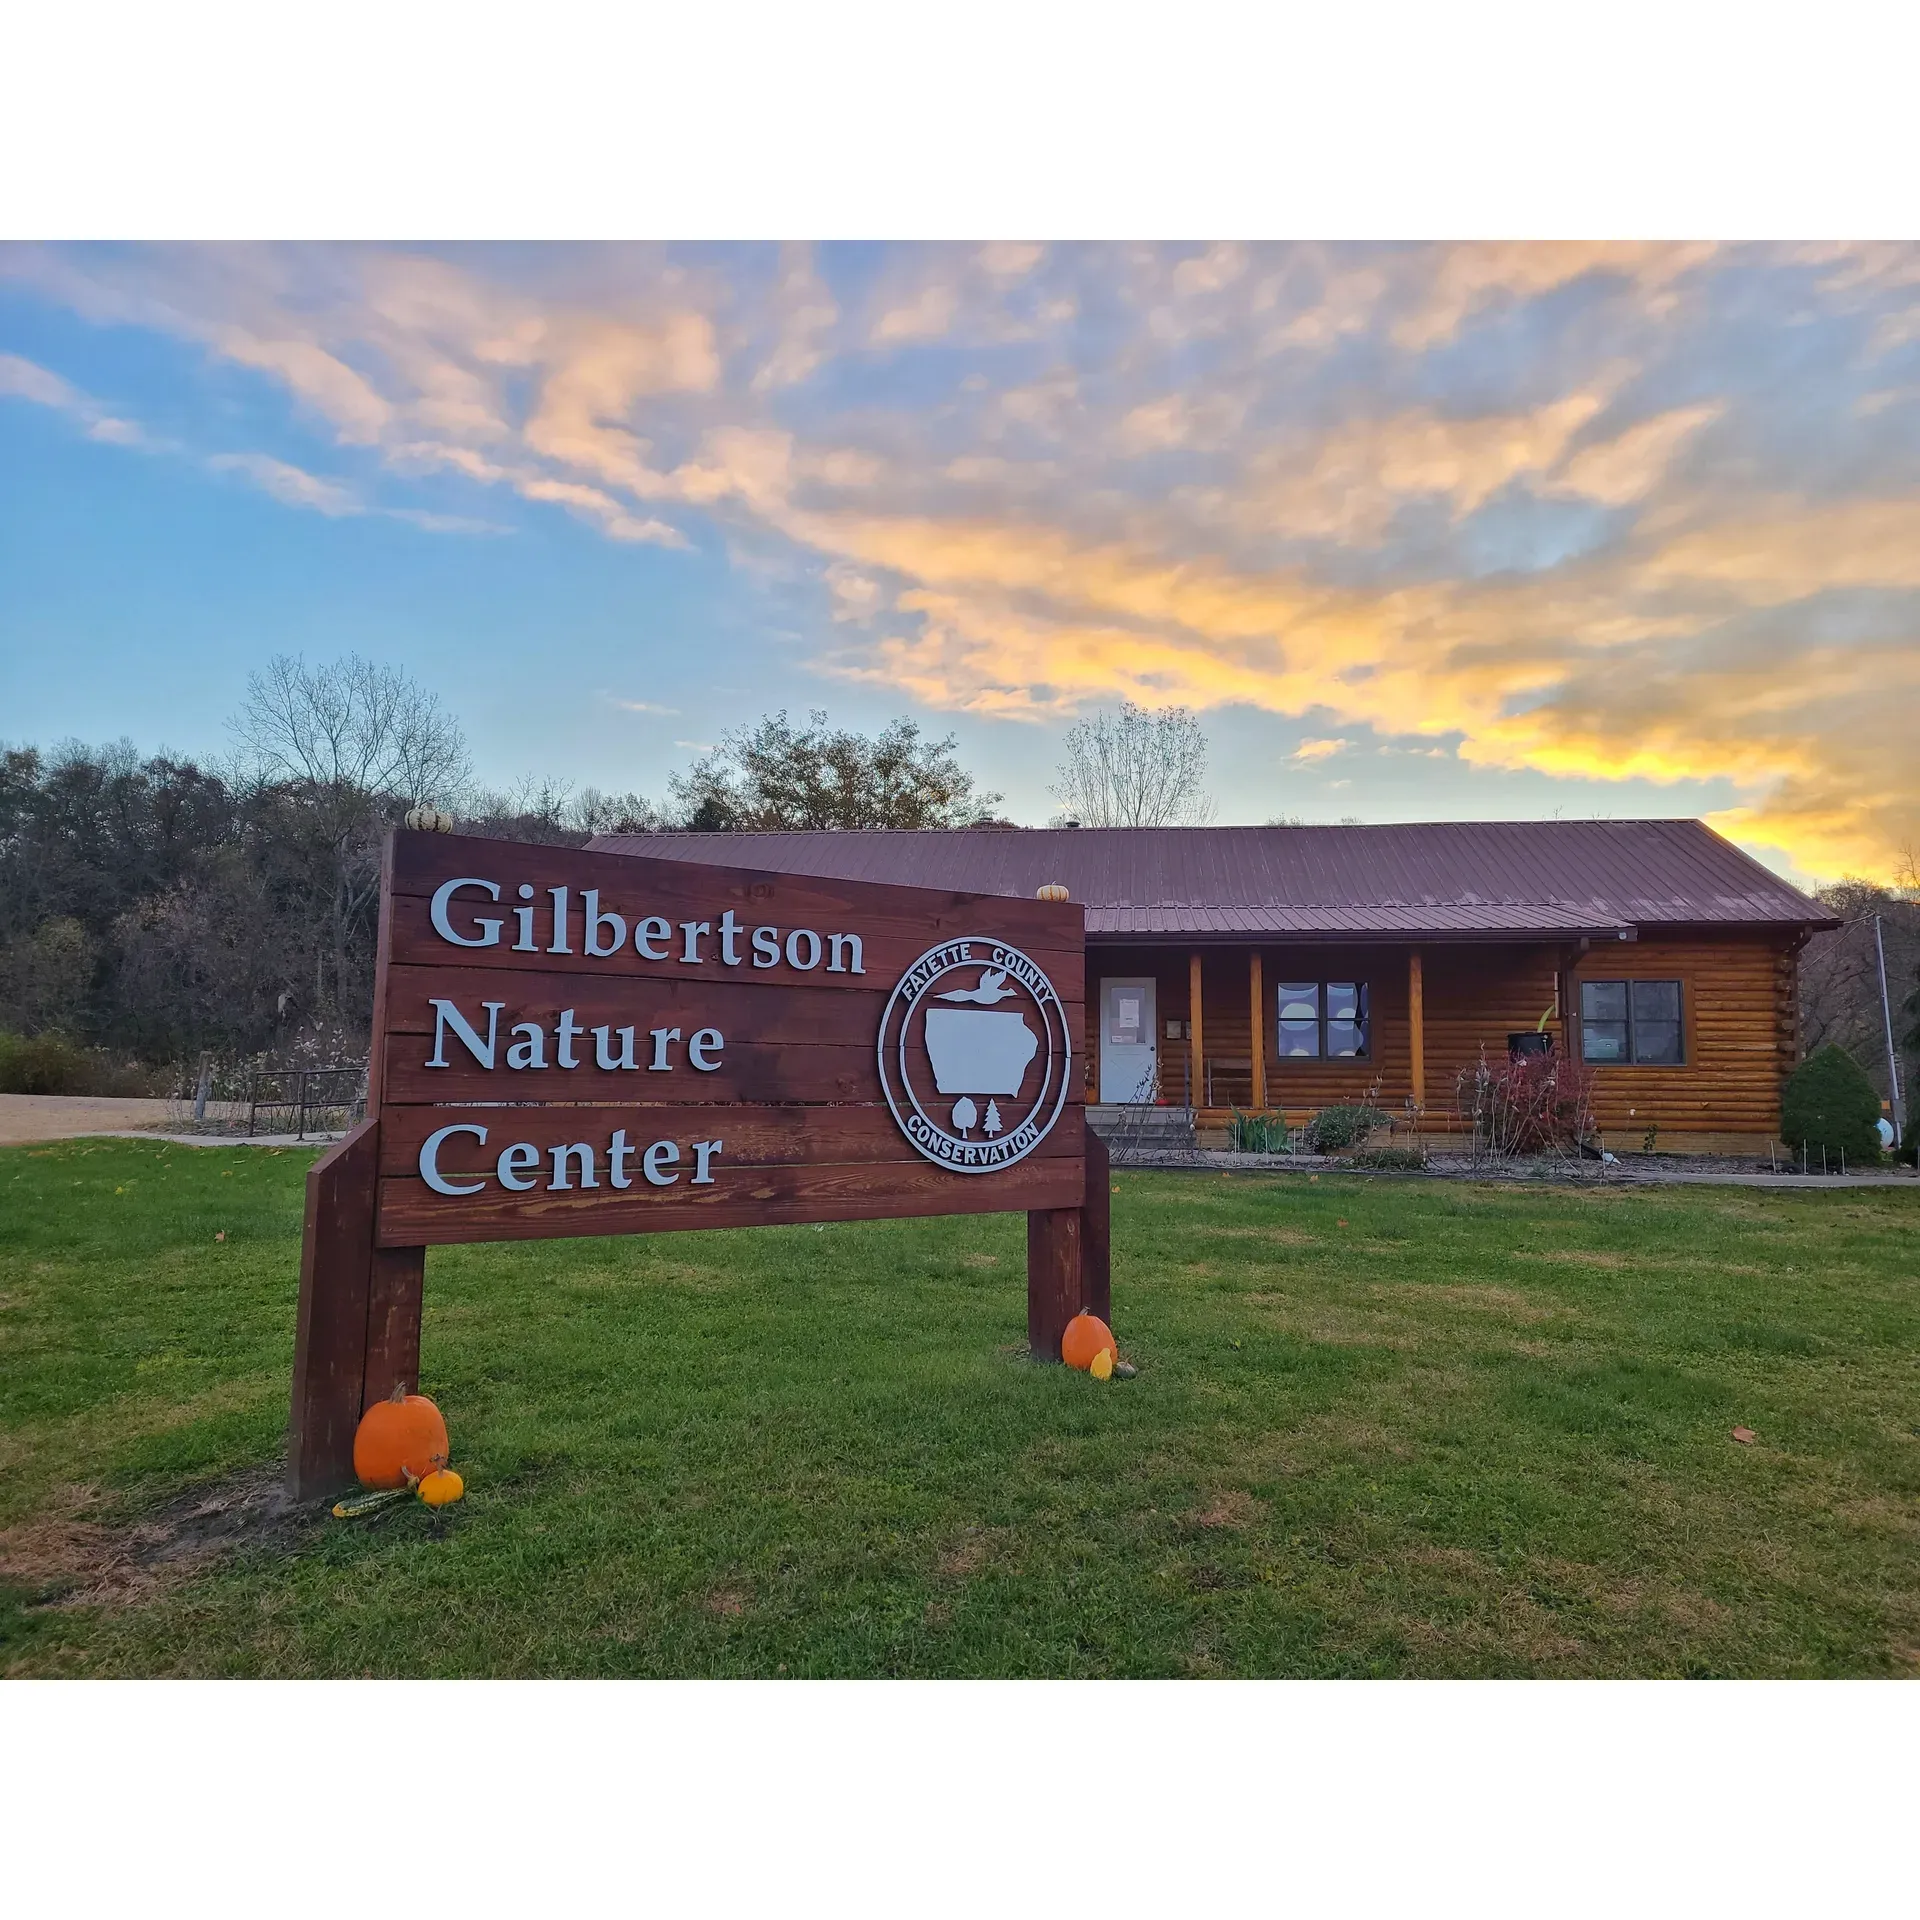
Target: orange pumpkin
point(399, 1441)
point(1085, 1336)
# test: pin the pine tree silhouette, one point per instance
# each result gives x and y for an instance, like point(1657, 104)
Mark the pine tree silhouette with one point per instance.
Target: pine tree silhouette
point(993, 1118)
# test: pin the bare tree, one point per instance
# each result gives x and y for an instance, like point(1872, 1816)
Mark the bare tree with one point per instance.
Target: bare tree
point(1840, 976)
point(352, 725)
point(1137, 767)
point(549, 812)
point(335, 754)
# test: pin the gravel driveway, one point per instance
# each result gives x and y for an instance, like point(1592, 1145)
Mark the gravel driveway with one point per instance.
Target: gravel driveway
point(51, 1116)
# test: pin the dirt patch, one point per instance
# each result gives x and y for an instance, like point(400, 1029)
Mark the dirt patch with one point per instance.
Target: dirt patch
point(726, 1603)
point(1329, 1326)
point(1275, 1236)
point(1501, 1300)
point(672, 1273)
point(979, 1259)
point(1576, 1257)
point(1623, 1595)
point(67, 1558)
point(1230, 1508)
point(973, 1550)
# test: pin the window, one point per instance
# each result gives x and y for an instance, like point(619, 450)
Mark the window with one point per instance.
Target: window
point(1322, 1020)
point(1631, 1023)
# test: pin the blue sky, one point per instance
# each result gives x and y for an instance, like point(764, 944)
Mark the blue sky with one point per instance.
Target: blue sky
point(1424, 532)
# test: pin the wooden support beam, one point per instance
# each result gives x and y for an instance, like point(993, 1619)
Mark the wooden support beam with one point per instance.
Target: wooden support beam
point(1070, 1258)
point(1054, 1261)
point(1096, 1235)
point(1258, 1030)
point(357, 1333)
point(396, 1284)
point(330, 1332)
point(1417, 1028)
point(1196, 1033)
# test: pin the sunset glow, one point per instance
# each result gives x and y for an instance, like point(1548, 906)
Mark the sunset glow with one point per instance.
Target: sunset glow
point(1642, 522)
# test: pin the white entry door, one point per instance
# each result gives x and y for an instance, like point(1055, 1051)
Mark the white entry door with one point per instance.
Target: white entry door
point(1127, 1041)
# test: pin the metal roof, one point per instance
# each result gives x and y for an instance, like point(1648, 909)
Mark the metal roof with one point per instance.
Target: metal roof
point(1458, 879)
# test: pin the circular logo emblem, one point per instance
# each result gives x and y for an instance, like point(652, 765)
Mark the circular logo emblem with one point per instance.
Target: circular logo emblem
point(975, 1055)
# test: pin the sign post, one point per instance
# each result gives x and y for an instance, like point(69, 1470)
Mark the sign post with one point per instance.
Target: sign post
point(588, 1043)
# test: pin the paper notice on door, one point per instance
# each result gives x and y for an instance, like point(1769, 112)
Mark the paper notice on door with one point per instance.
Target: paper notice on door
point(1127, 1013)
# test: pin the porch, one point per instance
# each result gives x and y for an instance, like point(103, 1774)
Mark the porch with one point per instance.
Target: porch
point(1688, 1035)
point(1295, 1028)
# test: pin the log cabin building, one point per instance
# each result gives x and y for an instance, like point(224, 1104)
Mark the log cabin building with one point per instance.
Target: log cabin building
point(1287, 969)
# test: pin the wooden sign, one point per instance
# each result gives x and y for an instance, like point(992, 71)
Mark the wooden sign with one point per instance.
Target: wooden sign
point(582, 1043)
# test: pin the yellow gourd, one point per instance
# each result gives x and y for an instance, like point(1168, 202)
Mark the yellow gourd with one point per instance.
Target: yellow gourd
point(442, 1488)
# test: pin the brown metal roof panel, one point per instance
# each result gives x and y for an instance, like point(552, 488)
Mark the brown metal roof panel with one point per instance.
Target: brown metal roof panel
point(1546, 874)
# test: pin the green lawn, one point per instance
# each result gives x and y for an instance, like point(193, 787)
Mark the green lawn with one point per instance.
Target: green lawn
point(1380, 1427)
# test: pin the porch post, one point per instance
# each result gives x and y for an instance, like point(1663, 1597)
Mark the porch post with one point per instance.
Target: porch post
point(1417, 1028)
point(1259, 1048)
point(1196, 1036)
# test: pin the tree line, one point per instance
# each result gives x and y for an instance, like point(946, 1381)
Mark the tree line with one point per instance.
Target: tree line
point(168, 910)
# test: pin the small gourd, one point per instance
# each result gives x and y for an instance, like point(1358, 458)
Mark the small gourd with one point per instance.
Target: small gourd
point(1053, 890)
point(429, 820)
point(399, 1441)
point(442, 1488)
point(1086, 1338)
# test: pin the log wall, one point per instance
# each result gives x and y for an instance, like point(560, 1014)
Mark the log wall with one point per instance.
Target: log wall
point(1738, 994)
point(1738, 1003)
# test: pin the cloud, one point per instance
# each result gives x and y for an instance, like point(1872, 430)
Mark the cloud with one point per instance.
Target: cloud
point(25, 380)
point(444, 522)
point(805, 314)
point(1629, 466)
point(925, 316)
point(1615, 512)
point(292, 486)
point(638, 706)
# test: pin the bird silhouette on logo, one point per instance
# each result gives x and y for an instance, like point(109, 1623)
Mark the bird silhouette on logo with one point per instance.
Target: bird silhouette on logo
point(990, 992)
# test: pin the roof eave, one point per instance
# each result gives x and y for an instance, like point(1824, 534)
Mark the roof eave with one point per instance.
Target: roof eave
point(1357, 936)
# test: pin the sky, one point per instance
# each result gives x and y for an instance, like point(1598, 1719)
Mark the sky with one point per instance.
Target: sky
point(1435, 531)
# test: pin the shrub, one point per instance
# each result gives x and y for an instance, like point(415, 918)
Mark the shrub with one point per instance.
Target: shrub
point(1540, 1103)
point(1257, 1132)
point(1830, 1103)
point(1335, 1127)
point(51, 1063)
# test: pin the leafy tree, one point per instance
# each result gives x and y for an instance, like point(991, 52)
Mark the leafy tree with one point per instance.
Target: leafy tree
point(777, 776)
point(85, 835)
point(1138, 767)
point(1830, 1103)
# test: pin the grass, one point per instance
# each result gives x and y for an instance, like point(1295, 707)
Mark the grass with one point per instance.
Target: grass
point(1379, 1428)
